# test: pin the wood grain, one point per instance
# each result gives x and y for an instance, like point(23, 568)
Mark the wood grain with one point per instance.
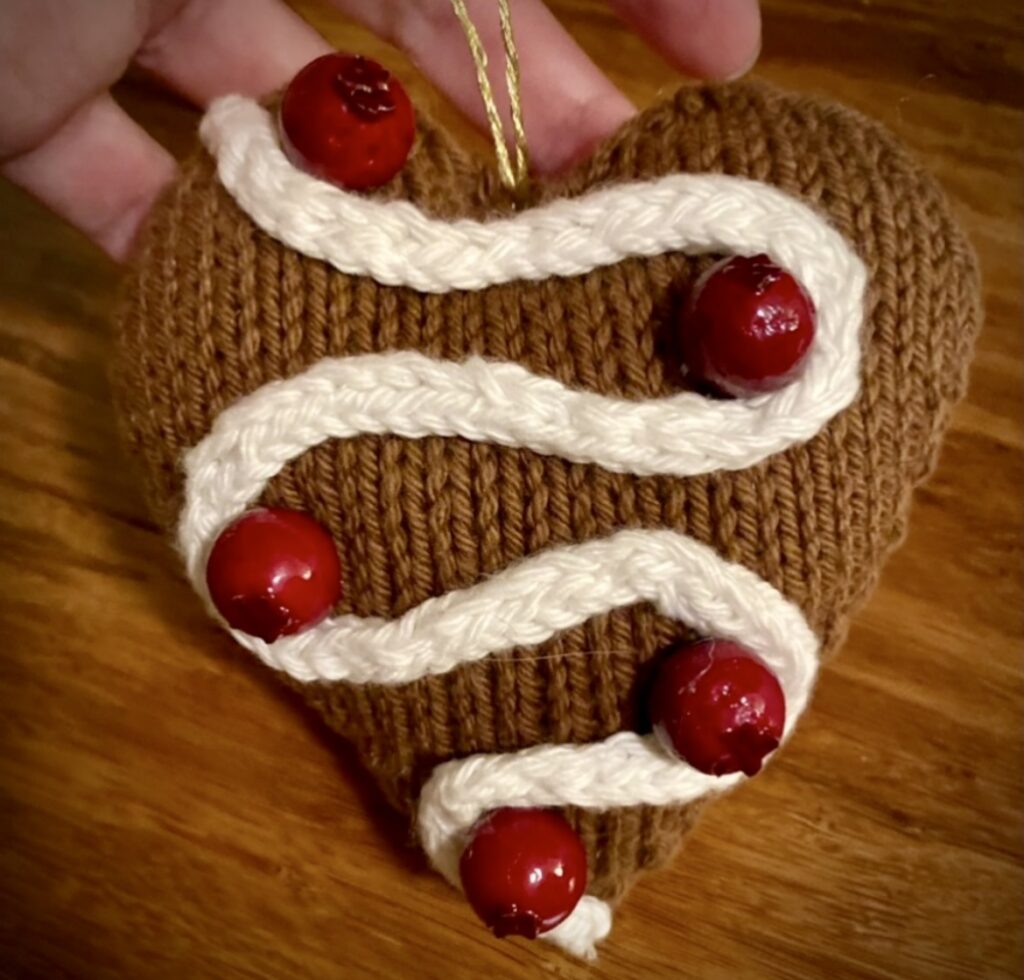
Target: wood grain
point(169, 811)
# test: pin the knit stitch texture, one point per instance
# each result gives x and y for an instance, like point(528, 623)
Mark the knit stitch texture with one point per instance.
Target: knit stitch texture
point(215, 308)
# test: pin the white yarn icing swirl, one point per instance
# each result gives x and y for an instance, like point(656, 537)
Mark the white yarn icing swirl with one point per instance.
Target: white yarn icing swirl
point(410, 395)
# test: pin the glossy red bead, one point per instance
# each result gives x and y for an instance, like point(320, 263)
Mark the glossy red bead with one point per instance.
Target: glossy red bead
point(747, 328)
point(273, 572)
point(346, 119)
point(523, 871)
point(717, 706)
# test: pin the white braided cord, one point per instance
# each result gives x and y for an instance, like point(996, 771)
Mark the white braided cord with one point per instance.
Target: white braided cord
point(624, 770)
point(398, 245)
point(410, 395)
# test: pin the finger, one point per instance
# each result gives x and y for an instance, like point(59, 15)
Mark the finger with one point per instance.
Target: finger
point(99, 171)
point(568, 103)
point(53, 56)
point(713, 39)
point(215, 47)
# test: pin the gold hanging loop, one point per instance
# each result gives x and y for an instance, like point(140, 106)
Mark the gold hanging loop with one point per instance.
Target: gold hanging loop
point(513, 174)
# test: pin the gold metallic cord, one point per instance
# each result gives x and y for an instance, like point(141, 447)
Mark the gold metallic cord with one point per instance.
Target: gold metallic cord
point(512, 83)
point(512, 176)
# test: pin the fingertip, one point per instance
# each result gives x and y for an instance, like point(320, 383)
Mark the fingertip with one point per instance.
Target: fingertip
point(99, 171)
point(117, 237)
point(742, 40)
point(716, 40)
point(248, 47)
point(590, 120)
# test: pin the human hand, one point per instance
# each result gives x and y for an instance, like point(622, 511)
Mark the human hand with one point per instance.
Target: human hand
point(65, 140)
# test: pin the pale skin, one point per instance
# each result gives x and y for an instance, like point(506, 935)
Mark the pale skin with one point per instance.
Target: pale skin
point(66, 141)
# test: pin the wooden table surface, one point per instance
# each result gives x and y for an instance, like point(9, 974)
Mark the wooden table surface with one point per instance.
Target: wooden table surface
point(169, 811)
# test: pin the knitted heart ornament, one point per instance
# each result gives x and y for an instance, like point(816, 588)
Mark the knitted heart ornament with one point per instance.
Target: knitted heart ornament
point(486, 408)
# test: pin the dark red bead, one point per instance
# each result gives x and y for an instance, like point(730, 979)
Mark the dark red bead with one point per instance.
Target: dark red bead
point(717, 706)
point(273, 572)
point(523, 871)
point(347, 120)
point(747, 328)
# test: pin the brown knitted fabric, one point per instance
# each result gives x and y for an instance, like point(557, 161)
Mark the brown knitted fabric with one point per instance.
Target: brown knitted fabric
point(216, 308)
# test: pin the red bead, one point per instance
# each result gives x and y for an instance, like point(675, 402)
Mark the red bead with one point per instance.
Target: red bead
point(718, 707)
point(747, 328)
point(347, 120)
point(523, 871)
point(273, 572)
